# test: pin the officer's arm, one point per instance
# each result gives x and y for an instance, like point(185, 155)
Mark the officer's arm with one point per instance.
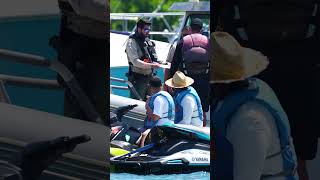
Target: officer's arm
point(95, 9)
point(248, 134)
point(132, 52)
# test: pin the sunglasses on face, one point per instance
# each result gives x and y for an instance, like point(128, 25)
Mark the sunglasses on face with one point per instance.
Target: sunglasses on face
point(146, 29)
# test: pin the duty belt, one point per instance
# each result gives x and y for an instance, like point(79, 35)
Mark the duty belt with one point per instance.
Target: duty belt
point(139, 74)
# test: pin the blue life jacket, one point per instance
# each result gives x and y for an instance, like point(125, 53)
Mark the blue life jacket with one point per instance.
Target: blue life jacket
point(149, 123)
point(264, 95)
point(178, 100)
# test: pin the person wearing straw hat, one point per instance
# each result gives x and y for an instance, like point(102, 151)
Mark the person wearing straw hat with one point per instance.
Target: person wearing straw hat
point(249, 123)
point(289, 34)
point(187, 101)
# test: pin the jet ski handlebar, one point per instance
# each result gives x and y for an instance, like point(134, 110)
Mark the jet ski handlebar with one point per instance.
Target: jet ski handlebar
point(142, 149)
point(39, 155)
point(123, 110)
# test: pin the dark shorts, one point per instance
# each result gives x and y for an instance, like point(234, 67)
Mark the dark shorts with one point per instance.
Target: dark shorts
point(202, 86)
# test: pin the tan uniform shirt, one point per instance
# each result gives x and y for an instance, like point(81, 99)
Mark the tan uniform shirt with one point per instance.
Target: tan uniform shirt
point(133, 53)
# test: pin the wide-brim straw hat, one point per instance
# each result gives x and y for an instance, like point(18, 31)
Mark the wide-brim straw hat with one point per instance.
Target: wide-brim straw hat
point(179, 80)
point(231, 62)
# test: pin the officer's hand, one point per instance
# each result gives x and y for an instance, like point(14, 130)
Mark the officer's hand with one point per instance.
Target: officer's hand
point(155, 65)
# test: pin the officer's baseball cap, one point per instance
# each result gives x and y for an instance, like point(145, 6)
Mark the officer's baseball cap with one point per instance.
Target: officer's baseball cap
point(143, 21)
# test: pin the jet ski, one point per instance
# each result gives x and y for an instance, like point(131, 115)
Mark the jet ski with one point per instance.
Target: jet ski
point(123, 138)
point(169, 149)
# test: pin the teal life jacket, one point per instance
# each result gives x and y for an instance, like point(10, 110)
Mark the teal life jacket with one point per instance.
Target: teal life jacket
point(260, 93)
point(149, 123)
point(179, 97)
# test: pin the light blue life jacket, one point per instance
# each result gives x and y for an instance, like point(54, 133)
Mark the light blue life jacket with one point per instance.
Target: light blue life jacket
point(264, 95)
point(179, 97)
point(149, 123)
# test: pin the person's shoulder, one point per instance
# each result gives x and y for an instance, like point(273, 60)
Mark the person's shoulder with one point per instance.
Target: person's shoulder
point(160, 99)
point(254, 106)
point(253, 113)
point(166, 92)
point(189, 98)
point(131, 42)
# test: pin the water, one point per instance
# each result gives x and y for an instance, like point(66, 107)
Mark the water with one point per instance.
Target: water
point(196, 176)
point(31, 35)
point(119, 72)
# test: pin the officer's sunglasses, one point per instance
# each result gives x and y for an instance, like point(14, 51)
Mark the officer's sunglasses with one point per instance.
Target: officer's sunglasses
point(146, 29)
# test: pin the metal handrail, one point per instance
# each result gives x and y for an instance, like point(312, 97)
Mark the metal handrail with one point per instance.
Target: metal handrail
point(63, 71)
point(118, 80)
point(119, 87)
point(130, 86)
point(23, 58)
point(29, 82)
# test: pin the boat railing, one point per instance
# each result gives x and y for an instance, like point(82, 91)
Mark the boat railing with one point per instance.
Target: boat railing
point(54, 65)
point(128, 87)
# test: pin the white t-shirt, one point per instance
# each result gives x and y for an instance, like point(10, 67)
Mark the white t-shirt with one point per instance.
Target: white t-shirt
point(253, 133)
point(161, 108)
point(190, 111)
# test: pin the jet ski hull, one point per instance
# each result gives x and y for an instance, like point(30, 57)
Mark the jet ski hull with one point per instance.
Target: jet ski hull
point(169, 149)
point(157, 168)
point(186, 161)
